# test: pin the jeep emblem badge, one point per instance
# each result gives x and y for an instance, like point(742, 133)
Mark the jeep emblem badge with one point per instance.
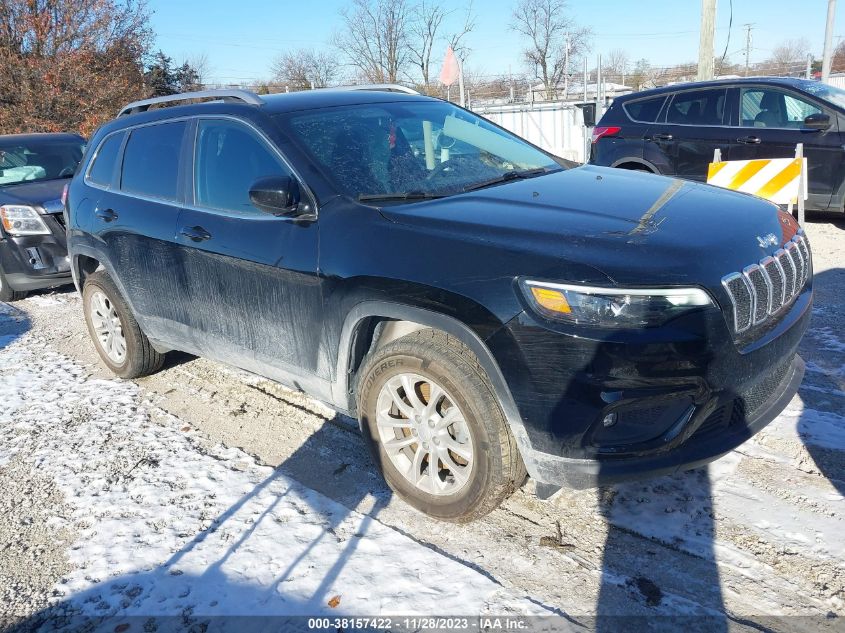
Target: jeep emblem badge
point(767, 240)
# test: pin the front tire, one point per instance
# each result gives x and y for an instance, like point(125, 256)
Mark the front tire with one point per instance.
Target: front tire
point(118, 338)
point(424, 399)
point(7, 295)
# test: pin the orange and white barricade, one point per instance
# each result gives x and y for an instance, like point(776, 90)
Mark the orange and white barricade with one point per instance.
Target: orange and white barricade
point(779, 180)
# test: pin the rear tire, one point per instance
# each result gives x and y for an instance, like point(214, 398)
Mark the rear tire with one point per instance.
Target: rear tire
point(452, 417)
point(7, 295)
point(118, 338)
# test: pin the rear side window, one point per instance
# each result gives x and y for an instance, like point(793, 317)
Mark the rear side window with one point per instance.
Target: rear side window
point(700, 107)
point(102, 168)
point(644, 110)
point(151, 160)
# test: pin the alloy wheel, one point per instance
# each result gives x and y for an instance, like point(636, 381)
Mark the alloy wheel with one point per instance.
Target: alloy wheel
point(107, 327)
point(424, 434)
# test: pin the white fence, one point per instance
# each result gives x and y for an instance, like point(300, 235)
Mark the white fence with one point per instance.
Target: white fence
point(556, 127)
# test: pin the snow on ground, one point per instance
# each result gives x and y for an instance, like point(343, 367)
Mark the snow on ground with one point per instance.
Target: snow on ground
point(166, 523)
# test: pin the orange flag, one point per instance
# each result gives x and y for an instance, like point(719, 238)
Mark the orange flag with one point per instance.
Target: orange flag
point(451, 71)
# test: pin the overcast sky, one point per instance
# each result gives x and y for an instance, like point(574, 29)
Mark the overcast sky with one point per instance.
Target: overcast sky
point(241, 43)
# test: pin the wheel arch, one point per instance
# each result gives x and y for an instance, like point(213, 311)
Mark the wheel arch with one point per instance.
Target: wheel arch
point(372, 324)
point(83, 266)
point(635, 163)
point(85, 260)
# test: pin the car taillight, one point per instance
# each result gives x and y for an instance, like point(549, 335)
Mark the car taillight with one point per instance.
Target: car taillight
point(64, 194)
point(601, 132)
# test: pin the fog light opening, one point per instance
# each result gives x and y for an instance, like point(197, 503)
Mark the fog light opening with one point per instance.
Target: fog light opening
point(610, 419)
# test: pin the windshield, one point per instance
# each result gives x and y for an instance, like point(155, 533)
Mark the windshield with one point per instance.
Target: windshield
point(834, 95)
point(38, 159)
point(409, 151)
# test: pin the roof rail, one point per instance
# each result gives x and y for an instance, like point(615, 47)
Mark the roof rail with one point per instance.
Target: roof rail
point(382, 88)
point(243, 96)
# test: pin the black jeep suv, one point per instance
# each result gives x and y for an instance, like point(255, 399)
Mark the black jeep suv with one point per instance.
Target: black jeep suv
point(482, 309)
point(674, 130)
point(34, 168)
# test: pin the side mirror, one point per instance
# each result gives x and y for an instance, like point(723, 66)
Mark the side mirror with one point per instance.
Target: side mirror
point(277, 195)
point(817, 122)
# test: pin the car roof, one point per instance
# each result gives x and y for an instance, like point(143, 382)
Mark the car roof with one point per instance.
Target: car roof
point(40, 136)
point(328, 97)
point(270, 105)
point(791, 82)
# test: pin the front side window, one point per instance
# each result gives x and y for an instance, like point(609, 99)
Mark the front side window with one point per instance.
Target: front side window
point(412, 150)
point(41, 158)
point(230, 158)
point(102, 168)
point(773, 108)
point(151, 160)
point(700, 107)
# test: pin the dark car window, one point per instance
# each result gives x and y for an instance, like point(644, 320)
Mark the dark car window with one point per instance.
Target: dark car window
point(763, 107)
point(412, 150)
point(644, 110)
point(229, 159)
point(151, 160)
point(699, 107)
point(26, 159)
point(102, 168)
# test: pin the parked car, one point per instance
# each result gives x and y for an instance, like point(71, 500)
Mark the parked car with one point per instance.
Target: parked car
point(481, 314)
point(674, 130)
point(34, 169)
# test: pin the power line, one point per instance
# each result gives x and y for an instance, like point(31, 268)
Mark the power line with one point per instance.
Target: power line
point(728, 43)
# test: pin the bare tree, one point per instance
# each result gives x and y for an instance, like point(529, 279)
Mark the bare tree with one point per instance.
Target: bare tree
point(639, 77)
point(789, 57)
point(69, 64)
point(201, 67)
point(375, 38)
point(304, 69)
point(427, 18)
point(838, 61)
point(556, 42)
point(616, 64)
point(456, 38)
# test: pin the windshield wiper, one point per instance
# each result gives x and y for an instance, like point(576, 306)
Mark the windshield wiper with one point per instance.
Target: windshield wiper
point(406, 195)
point(510, 175)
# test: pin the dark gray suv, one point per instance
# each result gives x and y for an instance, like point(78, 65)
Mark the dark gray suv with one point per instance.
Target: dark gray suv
point(674, 130)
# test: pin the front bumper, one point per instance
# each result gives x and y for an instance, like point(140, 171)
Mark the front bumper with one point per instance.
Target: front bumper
point(34, 262)
point(695, 452)
point(681, 395)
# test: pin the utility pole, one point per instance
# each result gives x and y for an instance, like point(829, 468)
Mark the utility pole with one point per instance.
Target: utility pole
point(828, 40)
point(748, 28)
point(705, 45)
point(809, 72)
point(566, 69)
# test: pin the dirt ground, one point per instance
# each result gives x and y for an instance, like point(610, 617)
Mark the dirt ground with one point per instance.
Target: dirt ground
point(760, 535)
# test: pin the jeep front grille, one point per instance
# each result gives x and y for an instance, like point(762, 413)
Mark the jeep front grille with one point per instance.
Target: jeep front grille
point(763, 289)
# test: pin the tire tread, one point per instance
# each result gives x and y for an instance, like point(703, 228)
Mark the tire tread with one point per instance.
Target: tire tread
point(146, 360)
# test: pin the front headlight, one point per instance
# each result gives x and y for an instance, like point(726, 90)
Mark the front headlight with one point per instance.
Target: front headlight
point(20, 220)
point(612, 307)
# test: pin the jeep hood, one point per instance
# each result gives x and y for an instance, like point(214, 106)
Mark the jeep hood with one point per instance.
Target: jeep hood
point(635, 228)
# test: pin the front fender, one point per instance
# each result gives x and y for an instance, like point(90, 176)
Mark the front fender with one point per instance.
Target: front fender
point(341, 390)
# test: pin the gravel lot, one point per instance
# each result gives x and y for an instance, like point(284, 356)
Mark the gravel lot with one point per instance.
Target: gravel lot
point(204, 490)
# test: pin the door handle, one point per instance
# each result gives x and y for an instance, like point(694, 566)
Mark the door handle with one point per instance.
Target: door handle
point(749, 140)
point(195, 233)
point(106, 215)
point(663, 137)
